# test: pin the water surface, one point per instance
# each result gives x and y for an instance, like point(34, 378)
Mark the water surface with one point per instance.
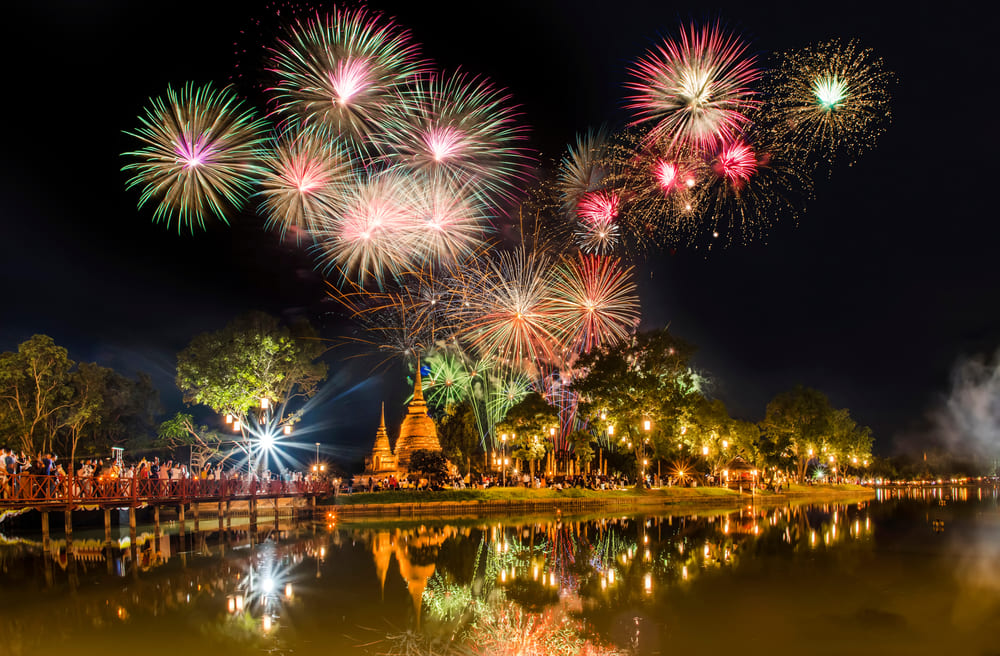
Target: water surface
point(912, 572)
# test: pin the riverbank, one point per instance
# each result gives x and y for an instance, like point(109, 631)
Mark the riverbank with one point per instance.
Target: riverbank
point(474, 502)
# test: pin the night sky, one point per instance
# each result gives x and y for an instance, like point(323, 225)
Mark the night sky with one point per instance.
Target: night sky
point(886, 282)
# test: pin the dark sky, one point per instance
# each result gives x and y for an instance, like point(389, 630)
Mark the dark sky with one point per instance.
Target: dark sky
point(886, 281)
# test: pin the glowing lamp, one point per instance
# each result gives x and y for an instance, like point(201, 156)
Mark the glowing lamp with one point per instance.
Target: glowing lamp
point(237, 425)
point(322, 468)
point(704, 450)
point(646, 425)
point(229, 418)
point(266, 441)
point(288, 591)
point(611, 430)
point(266, 623)
point(725, 444)
point(287, 430)
point(552, 431)
point(265, 403)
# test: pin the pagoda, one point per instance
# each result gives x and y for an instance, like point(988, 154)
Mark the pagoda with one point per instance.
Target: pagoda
point(381, 460)
point(418, 430)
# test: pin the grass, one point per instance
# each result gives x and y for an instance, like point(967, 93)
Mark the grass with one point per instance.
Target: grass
point(670, 495)
point(526, 494)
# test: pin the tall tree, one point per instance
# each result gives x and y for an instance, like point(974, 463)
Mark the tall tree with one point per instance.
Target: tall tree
point(642, 389)
point(35, 393)
point(253, 361)
point(527, 425)
point(458, 433)
point(801, 419)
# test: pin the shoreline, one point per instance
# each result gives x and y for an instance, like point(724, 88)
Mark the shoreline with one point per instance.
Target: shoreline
point(510, 501)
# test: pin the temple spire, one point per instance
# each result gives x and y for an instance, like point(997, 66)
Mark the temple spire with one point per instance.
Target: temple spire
point(418, 386)
point(381, 421)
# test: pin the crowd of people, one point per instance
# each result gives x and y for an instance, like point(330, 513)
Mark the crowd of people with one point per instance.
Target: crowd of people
point(23, 477)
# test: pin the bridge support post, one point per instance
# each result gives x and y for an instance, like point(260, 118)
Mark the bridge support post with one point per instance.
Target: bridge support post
point(194, 511)
point(45, 531)
point(180, 518)
point(107, 527)
point(277, 526)
point(68, 519)
point(156, 521)
point(229, 516)
point(253, 513)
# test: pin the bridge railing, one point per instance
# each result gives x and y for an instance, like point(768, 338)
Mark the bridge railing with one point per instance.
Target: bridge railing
point(26, 489)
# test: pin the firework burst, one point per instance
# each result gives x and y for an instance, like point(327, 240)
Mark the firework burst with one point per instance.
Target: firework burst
point(368, 238)
point(459, 127)
point(696, 89)
point(663, 186)
point(199, 155)
point(595, 301)
point(582, 169)
point(340, 72)
point(831, 99)
point(507, 316)
point(753, 184)
point(301, 182)
point(597, 227)
point(449, 223)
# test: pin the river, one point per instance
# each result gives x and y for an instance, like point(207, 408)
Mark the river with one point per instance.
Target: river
point(914, 571)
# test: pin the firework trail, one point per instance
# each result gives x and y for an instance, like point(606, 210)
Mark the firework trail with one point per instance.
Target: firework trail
point(696, 90)
point(199, 155)
point(582, 169)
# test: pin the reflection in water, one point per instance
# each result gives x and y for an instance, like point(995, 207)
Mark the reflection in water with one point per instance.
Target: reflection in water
point(861, 577)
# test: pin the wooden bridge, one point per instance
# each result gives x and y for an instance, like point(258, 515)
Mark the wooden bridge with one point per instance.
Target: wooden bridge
point(58, 493)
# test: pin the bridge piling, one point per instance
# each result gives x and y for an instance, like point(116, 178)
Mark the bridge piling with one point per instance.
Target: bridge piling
point(68, 526)
point(194, 511)
point(220, 516)
point(45, 531)
point(107, 527)
point(180, 518)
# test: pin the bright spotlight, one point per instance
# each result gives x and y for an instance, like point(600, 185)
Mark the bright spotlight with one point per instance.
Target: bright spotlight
point(266, 441)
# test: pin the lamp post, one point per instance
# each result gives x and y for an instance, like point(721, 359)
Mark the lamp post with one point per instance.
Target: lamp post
point(503, 457)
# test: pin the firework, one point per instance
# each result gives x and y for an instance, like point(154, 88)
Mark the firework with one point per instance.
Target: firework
point(663, 185)
point(582, 169)
point(199, 155)
point(447, 381)
point(753, 183)
point(595, 301)
point(507, 316)
point(831, 98)
point(448, 223)
point(301, 181)
point(597, 228)
point(459, 127)
point(696, 90)
point(340, 72)
point(368, 239)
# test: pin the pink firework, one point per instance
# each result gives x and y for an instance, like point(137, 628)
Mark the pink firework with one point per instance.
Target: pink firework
point(696, 90)
point(599, 208)
point(737, 163)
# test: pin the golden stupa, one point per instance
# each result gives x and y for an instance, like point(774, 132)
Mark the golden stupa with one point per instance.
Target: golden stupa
point(418, 430)
point(381, 458)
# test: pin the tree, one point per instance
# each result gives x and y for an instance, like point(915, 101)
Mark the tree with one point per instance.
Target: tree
point(205, 444)
point(800, 421)
point(128, 413)
point(581, 441)
point(252, 369)
point(645, 379)
point(528, 424)
point(35, 393)
point(431, 464)
point(458, 433)
point(83, 414)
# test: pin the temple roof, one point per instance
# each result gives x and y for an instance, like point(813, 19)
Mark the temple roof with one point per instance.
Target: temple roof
point(418, 430)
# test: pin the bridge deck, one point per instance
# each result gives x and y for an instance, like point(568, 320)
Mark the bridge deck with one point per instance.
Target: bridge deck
point(56, 492)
